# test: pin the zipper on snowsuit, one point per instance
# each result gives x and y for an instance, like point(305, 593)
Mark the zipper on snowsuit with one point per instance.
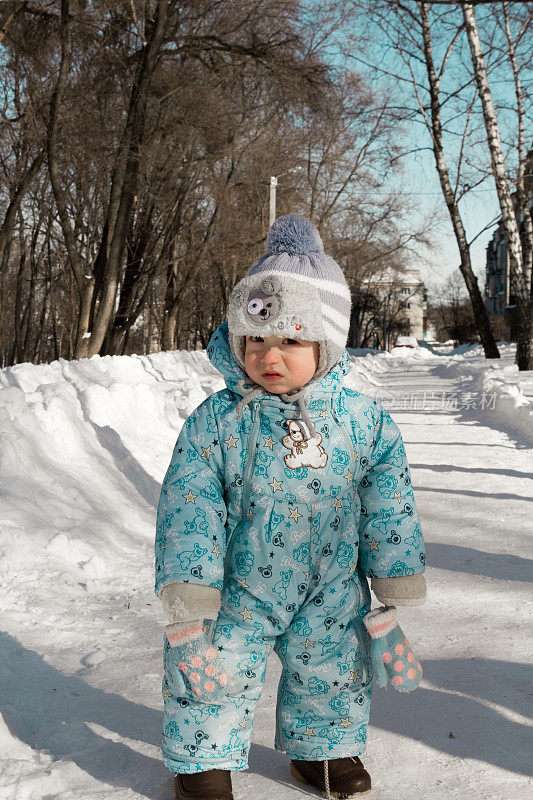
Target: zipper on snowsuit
point(346, 435)
point(365, 655)
point(248, 468)
point(250, 458)
point(277, 740)
point(358, 622)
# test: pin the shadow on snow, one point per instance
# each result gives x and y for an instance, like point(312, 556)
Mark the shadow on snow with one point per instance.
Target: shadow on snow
point(48, 710)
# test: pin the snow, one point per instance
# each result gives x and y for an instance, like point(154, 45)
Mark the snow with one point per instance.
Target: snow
point(512, 389)
point(83, 449)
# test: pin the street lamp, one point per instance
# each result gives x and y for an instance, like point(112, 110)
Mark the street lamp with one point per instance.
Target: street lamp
point(273, 186)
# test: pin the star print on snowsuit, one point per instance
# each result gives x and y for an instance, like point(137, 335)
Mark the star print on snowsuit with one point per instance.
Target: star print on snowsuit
point(290, 543)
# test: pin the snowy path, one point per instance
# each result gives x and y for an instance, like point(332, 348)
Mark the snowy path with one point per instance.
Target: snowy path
point(80, 655)
point(474, 493)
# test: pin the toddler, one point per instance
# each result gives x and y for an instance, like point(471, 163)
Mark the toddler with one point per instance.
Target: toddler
point(286, 491)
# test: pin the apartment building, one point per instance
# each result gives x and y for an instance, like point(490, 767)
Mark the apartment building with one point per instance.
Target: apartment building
point(404, 299)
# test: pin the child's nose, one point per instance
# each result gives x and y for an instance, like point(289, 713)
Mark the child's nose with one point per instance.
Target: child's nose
point(271, 355)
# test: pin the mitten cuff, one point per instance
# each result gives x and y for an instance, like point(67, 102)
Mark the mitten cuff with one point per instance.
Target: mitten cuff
point(183, 602)
point(380, 622)
point(394, 601)
point(180, 633)
point(402, 590)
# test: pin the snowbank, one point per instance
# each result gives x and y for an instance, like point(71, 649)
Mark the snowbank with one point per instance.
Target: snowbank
point(508, 391)
point(84, 447)
point(368, 365)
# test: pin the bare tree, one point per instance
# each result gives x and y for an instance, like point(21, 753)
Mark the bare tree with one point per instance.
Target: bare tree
point(409, 28)
point(124, 183)
point(522, 199)
point(519, 277)
point(451, 313)
point(135, 164)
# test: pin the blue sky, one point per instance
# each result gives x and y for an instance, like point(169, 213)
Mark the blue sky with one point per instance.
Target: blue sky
point(478, 208)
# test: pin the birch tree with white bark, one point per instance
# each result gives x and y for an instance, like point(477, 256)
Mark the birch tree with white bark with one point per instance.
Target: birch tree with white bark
point(438, 37)
point(520, 266)
point(444, 107)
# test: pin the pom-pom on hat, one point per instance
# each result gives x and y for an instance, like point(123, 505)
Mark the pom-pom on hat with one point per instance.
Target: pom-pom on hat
point(296, 291)
point(294, 235)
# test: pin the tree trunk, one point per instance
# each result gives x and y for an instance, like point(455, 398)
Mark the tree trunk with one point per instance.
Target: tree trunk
point(6, 231)
point(174, 292)
point(521, 193)
point(524, 348)
point(85, 282)
point(478, 307)
point(172, 297)
point(45, 313)
point(28, 350)
point(168, 334)
point(132, 293)
point(136, 126)
point(16, 352)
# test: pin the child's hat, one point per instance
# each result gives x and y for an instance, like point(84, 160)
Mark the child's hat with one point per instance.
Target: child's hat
point(296, 291)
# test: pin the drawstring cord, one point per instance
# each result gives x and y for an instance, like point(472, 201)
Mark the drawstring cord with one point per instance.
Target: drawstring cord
point(326, 777)
point(326, 780)
point(302, 404)
point(255, 391)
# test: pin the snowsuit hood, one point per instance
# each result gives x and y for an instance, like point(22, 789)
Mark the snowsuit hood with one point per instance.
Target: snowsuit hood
point(220, 354)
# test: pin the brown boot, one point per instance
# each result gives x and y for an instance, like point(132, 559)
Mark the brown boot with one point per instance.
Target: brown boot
point(346, 776)
point(212, 784)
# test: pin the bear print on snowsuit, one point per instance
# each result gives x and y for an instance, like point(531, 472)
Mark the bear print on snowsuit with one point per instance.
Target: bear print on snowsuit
point(288, 523)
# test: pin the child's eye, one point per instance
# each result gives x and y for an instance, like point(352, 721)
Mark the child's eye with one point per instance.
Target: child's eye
point(285, 341)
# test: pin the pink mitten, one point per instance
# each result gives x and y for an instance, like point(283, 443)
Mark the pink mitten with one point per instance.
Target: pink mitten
point(390, 651)
point(192, 663)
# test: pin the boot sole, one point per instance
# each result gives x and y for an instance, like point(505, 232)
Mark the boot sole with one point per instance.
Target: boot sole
point(338, 795)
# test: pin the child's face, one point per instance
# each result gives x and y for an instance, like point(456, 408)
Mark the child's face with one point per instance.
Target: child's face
point(280, 365)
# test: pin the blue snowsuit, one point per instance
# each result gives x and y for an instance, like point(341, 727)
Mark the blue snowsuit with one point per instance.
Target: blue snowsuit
point(288, 526)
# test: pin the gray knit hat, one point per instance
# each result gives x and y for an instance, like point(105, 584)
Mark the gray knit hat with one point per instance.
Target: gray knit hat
point(294, 290)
